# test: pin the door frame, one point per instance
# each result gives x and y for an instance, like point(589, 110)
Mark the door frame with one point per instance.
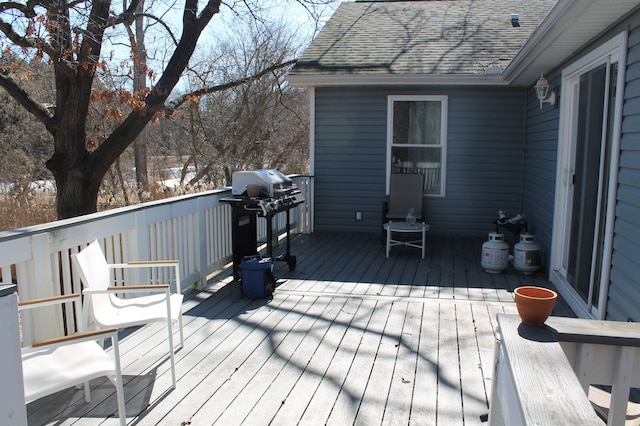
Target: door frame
point(614, 50)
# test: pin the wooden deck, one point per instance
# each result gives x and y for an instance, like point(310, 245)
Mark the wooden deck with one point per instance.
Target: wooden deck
point(350, 337)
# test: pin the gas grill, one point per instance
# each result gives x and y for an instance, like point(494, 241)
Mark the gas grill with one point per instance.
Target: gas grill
point(273, 184)
point(260, 193)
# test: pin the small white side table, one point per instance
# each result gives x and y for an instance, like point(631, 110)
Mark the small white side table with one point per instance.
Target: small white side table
point(404, 227)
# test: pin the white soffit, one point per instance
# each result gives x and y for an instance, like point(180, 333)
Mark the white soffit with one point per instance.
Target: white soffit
point(569, 26)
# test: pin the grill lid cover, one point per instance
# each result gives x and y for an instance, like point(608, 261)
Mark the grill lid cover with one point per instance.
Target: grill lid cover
point(270, 181)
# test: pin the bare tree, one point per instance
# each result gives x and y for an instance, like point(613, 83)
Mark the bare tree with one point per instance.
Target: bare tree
point(69, 35)
point(261, 123)
point(139, 86)
point(25, 141)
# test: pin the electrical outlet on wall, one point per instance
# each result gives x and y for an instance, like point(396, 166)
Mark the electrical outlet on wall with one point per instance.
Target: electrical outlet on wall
point(358, 215)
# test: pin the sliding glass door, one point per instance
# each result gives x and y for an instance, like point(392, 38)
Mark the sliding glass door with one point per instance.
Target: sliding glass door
point(586, 187)
point(590, 181)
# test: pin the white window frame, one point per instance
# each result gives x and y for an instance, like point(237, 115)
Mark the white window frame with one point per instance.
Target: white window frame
point(443, 99)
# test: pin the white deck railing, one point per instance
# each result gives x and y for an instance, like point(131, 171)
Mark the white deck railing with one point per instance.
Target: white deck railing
point(195, 229)
point(550, 375)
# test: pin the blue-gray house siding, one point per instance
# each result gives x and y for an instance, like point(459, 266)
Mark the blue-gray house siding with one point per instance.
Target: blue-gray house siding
point(624, 290)
point(502, 154)
point(484, 157)
point(539, 173)
point(539, 179)
point(502, 148)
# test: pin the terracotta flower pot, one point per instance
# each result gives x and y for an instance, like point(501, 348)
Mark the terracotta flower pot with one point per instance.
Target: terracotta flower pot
point(534, 304)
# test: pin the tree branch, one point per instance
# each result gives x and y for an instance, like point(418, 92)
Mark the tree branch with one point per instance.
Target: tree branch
point(190, 14)
point(154, 102)
point(162, 23)
point(26, 42)
point(127, 15)
point(26, 9)
point(39, 110)
point(176, 103)
point(38, 44)
point(94, 33)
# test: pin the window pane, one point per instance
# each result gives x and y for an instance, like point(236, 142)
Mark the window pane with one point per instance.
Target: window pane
point(416, 122)
point(419, 160)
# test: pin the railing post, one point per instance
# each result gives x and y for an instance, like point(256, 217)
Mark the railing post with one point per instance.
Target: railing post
point(12, 406)
point(39, 284)
point(310, 205)
point(201, 245)
point(304, 212)
point(621, 385)
point(584, 364)
point(138, 244)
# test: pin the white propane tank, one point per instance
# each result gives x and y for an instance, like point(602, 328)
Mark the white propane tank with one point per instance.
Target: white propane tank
point(526, 254)
point(495, 254)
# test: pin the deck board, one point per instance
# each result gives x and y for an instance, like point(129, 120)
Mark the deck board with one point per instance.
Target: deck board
point(327, 393)
point(349, 399)
point(350, 337)
point(232, 372)
point(377, 393)
point(397, 411)
point(253, 381)
point(322, 343)
point(212, 364)
point(449, 408)
point(423, 407)
point(474, 393)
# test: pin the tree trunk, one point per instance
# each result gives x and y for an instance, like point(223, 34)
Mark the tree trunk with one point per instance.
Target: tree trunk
point(77, 185)
point(72, 164)
point(139, 85)
point(76, 194)
point(77, 168)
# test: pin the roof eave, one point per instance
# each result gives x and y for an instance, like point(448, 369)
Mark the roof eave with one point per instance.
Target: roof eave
point(568, 27)
point(561, 34)
point(320, 80)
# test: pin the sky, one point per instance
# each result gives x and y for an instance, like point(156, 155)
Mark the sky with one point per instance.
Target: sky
point(289, 12)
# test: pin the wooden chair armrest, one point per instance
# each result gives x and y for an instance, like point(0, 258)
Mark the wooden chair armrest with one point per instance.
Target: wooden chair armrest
point(145, 264)
point(53, 300)
point(138, 287)
point(83, 336)
point(170, 263)
point(150, 288)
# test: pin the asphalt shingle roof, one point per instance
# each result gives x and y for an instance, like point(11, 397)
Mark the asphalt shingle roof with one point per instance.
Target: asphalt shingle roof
point(445, 37)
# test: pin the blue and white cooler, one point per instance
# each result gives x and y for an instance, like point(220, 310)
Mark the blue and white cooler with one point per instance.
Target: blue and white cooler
point(257, 277)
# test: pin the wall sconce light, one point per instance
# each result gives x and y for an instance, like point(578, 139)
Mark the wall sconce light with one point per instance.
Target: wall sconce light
point(542, 90)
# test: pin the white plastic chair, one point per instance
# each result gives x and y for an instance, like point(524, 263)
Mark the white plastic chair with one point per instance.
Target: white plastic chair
point(104, 308)
point(52, 365)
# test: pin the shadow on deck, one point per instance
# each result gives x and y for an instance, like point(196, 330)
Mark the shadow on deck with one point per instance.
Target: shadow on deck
point(349, 337)
point(355, 264)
